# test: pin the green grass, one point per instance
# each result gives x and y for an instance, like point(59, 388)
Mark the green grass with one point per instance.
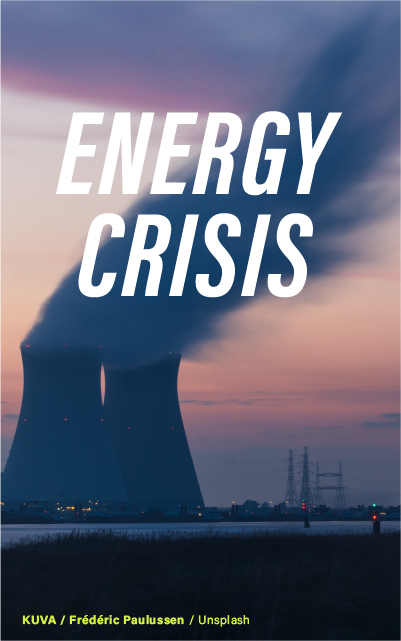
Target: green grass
point(290, 586)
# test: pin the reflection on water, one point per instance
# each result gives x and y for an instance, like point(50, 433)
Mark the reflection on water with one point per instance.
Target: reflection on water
point(16, 532)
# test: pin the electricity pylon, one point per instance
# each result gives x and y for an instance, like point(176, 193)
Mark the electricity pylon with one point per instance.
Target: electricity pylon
point(306, 493)
point(318, 489)
point(339, 499)
point(291, 498)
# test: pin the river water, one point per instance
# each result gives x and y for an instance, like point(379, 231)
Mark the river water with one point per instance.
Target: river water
point(17, 532)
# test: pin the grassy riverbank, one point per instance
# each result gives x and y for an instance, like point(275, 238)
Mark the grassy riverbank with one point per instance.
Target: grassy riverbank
point(288, 586)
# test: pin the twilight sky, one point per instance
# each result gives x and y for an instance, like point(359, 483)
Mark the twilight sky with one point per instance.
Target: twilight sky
point(321, 369)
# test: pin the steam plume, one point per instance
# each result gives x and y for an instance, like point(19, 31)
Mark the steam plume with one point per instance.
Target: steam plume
point(352, 76)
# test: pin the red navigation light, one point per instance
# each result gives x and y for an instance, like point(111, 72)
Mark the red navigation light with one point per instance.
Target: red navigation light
point(172, 428)
point(65, 419)
point(374, 517)
point(27, 345)
point(129, 428)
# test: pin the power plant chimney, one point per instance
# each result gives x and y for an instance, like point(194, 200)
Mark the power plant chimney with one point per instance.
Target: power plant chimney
point(143, 416)
point(61, 446)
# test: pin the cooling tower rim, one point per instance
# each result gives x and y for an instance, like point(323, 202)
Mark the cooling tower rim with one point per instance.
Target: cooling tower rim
point(165, 359)
point(60, 350)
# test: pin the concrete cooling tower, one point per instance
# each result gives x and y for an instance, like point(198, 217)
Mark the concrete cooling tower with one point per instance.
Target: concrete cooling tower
point(143, 416)
point(61, 448)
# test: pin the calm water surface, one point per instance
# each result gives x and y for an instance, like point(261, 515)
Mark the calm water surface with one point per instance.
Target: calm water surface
point(16, 532)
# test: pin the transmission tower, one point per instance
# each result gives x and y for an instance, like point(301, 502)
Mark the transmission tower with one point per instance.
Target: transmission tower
point(291, 493)
point(306, 493)
point(339, 499)
point(318, 489)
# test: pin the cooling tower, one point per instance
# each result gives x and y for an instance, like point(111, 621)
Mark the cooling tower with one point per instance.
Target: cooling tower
point(144, 420)
point(61, 448)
